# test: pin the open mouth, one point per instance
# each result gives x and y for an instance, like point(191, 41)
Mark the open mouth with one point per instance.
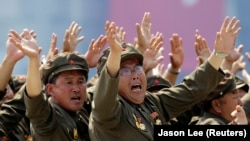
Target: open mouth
point(136, 87)
point(77, 98)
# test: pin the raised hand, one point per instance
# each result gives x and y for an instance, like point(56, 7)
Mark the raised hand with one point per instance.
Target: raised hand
point(177, 54)
point(232, 57)
point(239, 116)
point(71, 38)
point(201, 48)
point(115, 44)
point(94, 51)
point(53, 50)
point(225, 39)
point(143, 33)
point(27, 44)
point(12, 56)
point(153, 55)
point(238, 65)
point(246, 76)
point(113, 39)
point(159, 70)
point(121, 33)
point(234, 54)
point(247, 54)
point(11, 50)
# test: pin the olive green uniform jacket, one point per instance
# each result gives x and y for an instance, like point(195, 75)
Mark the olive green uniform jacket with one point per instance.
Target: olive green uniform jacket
point(211, 119)
point(50, 122)
point(13, 122)
point(115, 119)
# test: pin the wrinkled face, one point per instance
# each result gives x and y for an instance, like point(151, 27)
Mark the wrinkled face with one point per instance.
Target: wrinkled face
point(132, 83)
point(227, 104)
point(69, 90)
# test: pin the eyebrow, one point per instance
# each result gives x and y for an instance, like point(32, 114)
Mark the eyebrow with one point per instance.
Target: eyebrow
point(69, 76)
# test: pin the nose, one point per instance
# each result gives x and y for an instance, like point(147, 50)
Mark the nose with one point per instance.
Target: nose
point(240, 102)
point(76, 88)
point(134, 75)
point(239, 98)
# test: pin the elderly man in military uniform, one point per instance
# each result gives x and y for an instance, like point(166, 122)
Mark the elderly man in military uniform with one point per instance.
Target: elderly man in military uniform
point(56, 116)
point(123, 110)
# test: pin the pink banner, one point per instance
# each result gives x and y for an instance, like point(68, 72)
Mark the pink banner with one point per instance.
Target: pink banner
point(171, 16)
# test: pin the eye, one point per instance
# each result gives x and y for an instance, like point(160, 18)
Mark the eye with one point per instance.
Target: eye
point(139, 69)
point(235, 91)
point(125, 71)
point(69, 82)
point(81, 82)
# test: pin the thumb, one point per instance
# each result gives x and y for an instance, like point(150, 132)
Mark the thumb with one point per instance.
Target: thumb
point(238, 109)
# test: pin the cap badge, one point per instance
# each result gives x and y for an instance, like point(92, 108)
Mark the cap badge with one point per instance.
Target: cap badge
point(221, 93)
point(21, 78)
point(156, 82)
point(72, 62)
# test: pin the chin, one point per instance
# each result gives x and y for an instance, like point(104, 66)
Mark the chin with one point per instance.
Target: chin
point(139, 101)
point(75, 109)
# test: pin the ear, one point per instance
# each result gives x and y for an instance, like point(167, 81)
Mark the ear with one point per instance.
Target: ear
point(49, 89)
point(216, 105)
